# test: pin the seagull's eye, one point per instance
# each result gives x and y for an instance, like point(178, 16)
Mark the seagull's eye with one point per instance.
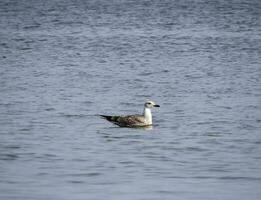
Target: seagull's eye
point(149, 103)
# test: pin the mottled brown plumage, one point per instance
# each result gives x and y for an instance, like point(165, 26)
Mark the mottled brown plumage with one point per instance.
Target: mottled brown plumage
point(134, 120)
point(126, 121)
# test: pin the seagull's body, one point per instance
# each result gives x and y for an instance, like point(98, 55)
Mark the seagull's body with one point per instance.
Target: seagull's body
point(134, 120)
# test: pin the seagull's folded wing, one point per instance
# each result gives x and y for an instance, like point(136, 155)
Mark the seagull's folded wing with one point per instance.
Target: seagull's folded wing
point(131, 120)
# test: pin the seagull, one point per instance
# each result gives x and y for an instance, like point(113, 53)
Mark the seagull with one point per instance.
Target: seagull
point(134, 120)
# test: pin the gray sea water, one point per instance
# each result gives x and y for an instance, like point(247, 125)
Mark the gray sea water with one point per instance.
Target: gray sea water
point(63, 62)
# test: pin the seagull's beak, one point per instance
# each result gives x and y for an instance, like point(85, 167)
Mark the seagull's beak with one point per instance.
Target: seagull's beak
point(156, 105)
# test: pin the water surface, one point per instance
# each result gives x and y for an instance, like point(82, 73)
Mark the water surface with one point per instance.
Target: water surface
point(64, 62)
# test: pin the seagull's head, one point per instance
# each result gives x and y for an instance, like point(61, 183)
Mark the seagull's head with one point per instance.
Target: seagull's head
point(150, 104)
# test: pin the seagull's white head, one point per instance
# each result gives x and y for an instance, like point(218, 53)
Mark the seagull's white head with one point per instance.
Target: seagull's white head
point(150, 104)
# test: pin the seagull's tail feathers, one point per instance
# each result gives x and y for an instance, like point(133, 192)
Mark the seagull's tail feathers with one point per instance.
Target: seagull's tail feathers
point(106, 117)
point(110, 118)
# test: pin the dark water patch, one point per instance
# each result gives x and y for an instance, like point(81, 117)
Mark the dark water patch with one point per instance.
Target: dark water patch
point(235, 178)
point(76, 116)
point(12, 147)
point(32, 27)
point(68, 23)
point(119, 137)
point(229, 178)
point(214, 134)
point(129, 104)
point(24, 48)
point(163, 192)
point(8, 156)
point(91, 174)
point(76, 182)
point(50, 109)
point(195, 149)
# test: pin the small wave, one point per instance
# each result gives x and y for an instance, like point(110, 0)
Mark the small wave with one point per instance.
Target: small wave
point(90, 174)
